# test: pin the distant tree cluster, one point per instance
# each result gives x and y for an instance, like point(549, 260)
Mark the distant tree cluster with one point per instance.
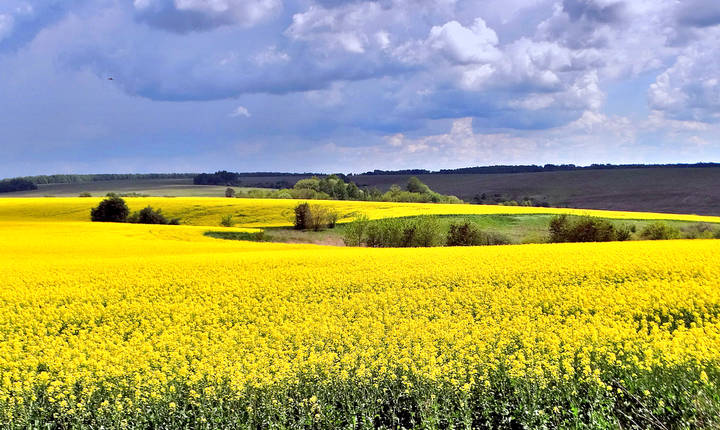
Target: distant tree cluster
point(114, 209)
point(73, 179)
point(564, 228)
point(335, 187)
point(222, 177)
point(533, 168)
point(421, 231)
point(504, 200)
point(16, 184)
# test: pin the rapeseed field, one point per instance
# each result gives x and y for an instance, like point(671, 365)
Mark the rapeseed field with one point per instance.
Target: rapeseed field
point(279, 212)
point(128, 326)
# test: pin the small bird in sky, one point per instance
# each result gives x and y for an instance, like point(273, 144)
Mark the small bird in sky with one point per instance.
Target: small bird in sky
point(111, 79)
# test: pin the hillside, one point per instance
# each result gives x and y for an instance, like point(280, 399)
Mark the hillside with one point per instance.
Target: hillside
point(662, 189)
point(671, 190)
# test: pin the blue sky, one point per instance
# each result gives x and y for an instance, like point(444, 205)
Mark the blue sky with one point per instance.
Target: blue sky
point(349, 86)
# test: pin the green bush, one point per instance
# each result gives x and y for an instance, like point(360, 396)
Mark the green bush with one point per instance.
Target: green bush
point(468, 234)
point(302, 216)
point(422, 231)
point(563, 228)
point(112, 209)
point(227, 221)
point(701, 230)
point(85, 194)
point(314, 217)
point(659, 231)
point(229, 192)
point(354, 234)
point(148, 215)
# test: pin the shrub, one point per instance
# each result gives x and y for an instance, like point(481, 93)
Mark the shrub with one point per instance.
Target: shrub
point(422, 231)
point(302, 216)
point(332, 218)
point(659, 231)
point(355, 231)
point(314, 217)
point(585, 229)
point(227, 221)
point(319, 218)
point(428, 232)
point(85, 194)
point(468, 234)
point(464, 234)
point(623, 232)
point(112, 209)
point(229, 192)
point(148, 215)
point(701, 230)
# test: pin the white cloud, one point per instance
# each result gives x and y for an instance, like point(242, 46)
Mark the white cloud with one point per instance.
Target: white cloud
point(464, 45)
point(240, 111)
point(6, 25)
point(690, 88)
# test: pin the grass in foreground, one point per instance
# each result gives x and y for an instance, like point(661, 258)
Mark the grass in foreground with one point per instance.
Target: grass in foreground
point(115, 326)
point(520, 228)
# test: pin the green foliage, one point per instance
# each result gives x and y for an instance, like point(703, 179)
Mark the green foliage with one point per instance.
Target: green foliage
point(355, 231)
point(112, 209)
point(659, 231)
point(422, 231)
point(16, 184)
point(308, 184)
point(229, 192)
point(414, 185)
point(314, 217)
point(227, 221)
point(700, 230)
point(564, 228)
point(85, 194)
point(468, 234)
point(237, 235)
point(148, 215)
point(302, 216)
point(333, 187)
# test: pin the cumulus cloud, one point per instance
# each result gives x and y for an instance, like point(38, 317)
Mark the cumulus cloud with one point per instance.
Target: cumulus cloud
point(240, 111)
point(182, 16)
point(463, 45)
point(421, 77)
point(690, 88)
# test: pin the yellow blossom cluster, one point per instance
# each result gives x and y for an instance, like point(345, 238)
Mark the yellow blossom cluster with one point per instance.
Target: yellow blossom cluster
point(121, 316)
point(279, 212)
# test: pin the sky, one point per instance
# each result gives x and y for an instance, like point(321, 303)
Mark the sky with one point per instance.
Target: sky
point(111, 86)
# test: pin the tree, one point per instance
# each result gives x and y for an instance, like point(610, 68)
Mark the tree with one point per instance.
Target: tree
point(302, 216)
point(149, 216)
point(353, 191)
point(312, 184)
point(414, 185)
point(112, 209)
point(229, 192)
point(339, 190)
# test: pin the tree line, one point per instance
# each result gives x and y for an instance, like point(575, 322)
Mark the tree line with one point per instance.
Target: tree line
point(532, 168)
point(73, 179)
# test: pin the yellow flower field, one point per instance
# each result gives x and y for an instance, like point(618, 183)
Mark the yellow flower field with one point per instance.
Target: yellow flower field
point(279, 212)
point(121, 325)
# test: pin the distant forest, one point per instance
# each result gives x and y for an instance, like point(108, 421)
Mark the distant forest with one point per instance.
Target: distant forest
point(233, 178)
point(533, 168)
point(74, 179)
